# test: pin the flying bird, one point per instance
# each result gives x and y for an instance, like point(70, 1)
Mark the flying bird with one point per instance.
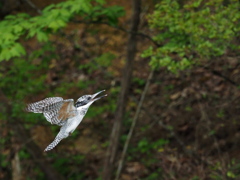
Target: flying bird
point(63, 113)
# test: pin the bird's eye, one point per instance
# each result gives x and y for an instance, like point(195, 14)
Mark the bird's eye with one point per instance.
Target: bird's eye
point(88, 98)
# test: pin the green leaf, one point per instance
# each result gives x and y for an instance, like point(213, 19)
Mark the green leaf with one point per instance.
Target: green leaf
point(7, 36)
point(10, 17)
point(101, 2)
point(4, 54)
point(17, 29)
point(185, 30)
point(231, 174)
point(48, 8)
point(42, 36)
point(53, 18)
point(105, 59)
point(55, 25)
point(17, 50)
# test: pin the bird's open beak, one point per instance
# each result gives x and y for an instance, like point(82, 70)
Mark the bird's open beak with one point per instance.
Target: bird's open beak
point(94, 95)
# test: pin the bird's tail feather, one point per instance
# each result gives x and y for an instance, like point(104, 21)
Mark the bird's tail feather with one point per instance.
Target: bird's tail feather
point(53, 144)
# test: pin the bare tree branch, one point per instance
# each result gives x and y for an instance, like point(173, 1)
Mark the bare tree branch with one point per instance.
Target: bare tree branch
point(121, 29)
point(217, 73)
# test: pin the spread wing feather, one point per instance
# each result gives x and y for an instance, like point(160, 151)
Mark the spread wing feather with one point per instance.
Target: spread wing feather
point(55, 109)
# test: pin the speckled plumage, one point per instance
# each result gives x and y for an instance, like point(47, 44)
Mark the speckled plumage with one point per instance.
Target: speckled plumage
point(63, 113)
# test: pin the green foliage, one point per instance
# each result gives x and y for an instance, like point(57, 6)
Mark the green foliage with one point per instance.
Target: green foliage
point(145, 151)
point(69, 163)
point(230, 174)
point(52, 19)
point(96, 110)
point(220, 113)
point(3, 161)
point(232, 171)
point(39, 175)
point(192, 31)
point(188, 108)
point(139, 82)
point(195, 178)
point(23, 77)
point(154, 176)
point(18, 82)
point(23, 154)
point(103, 61)
point(169, 87)
point(110, 106)
point(145, 146)
point(99, 178)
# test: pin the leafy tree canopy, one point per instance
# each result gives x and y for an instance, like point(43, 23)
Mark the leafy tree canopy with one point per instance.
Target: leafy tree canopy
point(52, 19)
point(190, 31)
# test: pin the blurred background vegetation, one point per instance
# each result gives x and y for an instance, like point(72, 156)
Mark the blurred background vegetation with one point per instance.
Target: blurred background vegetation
point(171, 70)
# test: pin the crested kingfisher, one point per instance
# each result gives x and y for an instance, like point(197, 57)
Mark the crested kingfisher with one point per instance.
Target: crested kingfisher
point(63, 113)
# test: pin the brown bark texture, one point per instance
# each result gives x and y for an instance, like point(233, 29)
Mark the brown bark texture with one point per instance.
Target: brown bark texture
point(123, 96)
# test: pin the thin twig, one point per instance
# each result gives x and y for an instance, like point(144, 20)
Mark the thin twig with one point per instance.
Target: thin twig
point(120, 165)
point(205, 117)
point(121, 29)
point(217, 73)
point(137, 33)
point(170, 130)
point(175, 135)
point(33, 6)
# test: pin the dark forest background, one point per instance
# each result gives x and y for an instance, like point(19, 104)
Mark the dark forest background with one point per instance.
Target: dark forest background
point(171, 70)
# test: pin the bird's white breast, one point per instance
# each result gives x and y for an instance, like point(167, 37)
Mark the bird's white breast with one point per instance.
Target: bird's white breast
point(73, 123)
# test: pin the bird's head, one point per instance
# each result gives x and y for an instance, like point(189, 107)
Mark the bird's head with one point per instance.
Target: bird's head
point(87, 100)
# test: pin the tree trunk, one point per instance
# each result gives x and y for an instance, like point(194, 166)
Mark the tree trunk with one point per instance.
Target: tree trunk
point(23, 136)
point(16, 167)
point(35, 152)
point(122, 101)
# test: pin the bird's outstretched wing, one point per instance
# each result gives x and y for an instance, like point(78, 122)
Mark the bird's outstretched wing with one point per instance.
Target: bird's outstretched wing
point(55, 109)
